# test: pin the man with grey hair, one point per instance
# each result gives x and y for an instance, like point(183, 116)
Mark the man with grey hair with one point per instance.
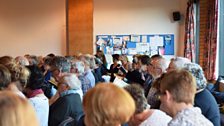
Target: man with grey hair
point(203, 98)
point(59, 66)
point(89, 64)
point(157, 67)
point(69, 103)
point(79, 70)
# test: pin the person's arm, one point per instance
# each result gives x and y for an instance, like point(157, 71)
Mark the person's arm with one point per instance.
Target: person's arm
point(54, 98)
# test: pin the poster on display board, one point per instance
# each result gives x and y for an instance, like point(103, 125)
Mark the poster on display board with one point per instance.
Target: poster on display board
point(149, 44)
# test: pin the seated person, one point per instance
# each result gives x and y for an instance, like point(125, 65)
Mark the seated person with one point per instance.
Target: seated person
point(16, 111)
point(177, 92)
point(203, 98)
point(144, 116)
point(36, 95)
point(116, 68)
point(69, 103)
point(100, 110)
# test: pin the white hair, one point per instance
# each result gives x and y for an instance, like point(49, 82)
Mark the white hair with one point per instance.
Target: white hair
point(79, 66)
point(180, 62)
point(72, 81)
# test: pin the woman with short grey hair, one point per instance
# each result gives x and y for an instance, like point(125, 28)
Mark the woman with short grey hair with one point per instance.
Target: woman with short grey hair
point(203, 98)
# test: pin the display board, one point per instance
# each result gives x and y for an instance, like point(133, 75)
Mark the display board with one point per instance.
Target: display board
point(136, 44)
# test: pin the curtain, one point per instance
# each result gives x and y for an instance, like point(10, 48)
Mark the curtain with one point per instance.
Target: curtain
point(209, 56)
point(189, 41)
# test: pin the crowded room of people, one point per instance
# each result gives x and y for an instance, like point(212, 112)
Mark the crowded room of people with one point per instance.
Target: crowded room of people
point(111, 63)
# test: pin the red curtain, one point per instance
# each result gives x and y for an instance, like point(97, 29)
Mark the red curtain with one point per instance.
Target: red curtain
point(189, 45)
point(209, 56)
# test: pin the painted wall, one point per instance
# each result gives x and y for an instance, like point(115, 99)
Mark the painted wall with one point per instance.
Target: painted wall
point(32, 27)
point(140, 17)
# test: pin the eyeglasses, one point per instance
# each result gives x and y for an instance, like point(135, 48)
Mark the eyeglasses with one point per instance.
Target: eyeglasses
point(152, 66)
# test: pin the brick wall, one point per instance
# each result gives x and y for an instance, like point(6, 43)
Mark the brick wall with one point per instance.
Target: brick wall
point(203, 21)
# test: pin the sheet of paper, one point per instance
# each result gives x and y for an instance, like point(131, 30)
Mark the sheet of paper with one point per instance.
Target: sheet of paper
point(109, 59)
point(119, 82)
point(100, 42)
point(142, 47)
point(135, 38)
point(117, 41)
point(159, 40)
point(126, 38)
point(132, 51)
point(144, 38)
point(156, 41)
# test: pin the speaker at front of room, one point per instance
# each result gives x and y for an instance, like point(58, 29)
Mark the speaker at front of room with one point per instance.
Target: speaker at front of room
point(176, 16)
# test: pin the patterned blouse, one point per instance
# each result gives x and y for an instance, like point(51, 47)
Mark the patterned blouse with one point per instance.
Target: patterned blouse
point(190, 117)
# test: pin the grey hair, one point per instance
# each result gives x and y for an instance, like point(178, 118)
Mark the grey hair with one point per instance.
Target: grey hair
point(22, 60)
point(72, 81)
point(180, 62)
point(198, 73)
point(137, 94)
point(79, 66)
point(61, 63)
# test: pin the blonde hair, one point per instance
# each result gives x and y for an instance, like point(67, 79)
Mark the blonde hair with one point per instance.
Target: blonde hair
point(181, 84)
point(107, 105)
point(16, 111)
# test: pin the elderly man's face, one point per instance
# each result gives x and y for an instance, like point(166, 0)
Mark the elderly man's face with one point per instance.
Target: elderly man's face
point(154, 69)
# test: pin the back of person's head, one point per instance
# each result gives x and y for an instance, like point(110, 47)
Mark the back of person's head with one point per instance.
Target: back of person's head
point(116, 57)
point(180, 84)
point(124, 58)
point(16, 111)
point(137, 94)
point(107, 105)
point(177, 63)
point(33, 60)
point(36, 78)
point(5, 77)
point(60, 63)
point(5, 60)
point(71, 80)
point(88, 60)
point(98, 61)
point(22, 60)
point(79, 67)
point(51, 55)
point(156, 56)
point(101, 56)
point(198, 73)
point(47, 60)
point(145, 59)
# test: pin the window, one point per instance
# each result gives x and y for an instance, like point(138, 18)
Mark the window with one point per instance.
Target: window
point(220, 46)
point(196, 27)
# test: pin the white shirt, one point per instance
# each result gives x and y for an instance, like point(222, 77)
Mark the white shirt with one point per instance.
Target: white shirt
point(158, 118)
point(41, 106)
point(190, 117)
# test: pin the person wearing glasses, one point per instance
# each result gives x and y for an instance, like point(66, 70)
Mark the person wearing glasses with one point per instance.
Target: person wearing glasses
point(156, 68)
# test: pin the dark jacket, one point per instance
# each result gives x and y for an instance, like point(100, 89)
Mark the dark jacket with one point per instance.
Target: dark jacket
point(209, 107)
point(67, 106)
